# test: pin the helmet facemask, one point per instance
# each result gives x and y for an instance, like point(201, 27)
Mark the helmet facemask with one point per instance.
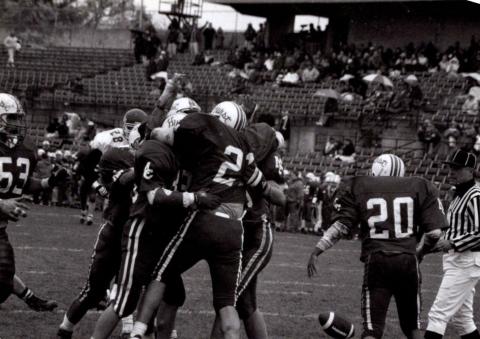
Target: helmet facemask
point(13, 128)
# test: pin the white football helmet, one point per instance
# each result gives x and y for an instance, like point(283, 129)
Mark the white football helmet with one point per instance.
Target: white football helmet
point(174, 120)
point(13, 127)
point(184, 105)
point(231, 114)
point(388, 165)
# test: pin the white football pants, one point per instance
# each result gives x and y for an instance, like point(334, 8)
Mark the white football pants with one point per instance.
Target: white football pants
point(454, 299)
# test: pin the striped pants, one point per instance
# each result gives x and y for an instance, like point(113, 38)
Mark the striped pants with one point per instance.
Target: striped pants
point(213, 238)
point(142, 245)
point(256, 254)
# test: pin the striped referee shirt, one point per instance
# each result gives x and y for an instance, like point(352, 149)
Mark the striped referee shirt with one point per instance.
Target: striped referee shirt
point(464, 218)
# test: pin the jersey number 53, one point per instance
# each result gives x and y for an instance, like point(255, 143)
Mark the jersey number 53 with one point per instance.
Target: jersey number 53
point(8, 171)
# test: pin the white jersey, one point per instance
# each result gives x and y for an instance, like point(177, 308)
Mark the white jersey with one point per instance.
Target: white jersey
point(109, 139)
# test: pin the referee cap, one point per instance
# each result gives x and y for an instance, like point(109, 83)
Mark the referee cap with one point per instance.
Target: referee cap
point(461, 158)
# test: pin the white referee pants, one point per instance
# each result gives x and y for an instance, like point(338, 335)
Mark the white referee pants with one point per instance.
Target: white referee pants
point(454, 299)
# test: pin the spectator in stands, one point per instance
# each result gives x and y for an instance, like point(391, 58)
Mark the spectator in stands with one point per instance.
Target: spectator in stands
point(429, 135)
point(331, 147)
point(470, 106)
point(138, 45)
point(348, 152)
point(63, 130)
point(260, 38)
point(290, 79)
point(451, 135)
point(75, 84)
point(172, 41)
point(52, 128)
point(208, 36)
point(310, 73)
point(12, 44)
point(219, 38)
point(152, 42)
point(249, 35)
point(196, 37)
point(284, 127)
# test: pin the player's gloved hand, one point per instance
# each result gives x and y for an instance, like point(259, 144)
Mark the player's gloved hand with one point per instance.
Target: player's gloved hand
point(100, 189)
point(206, 201)
point(13, 208)
point(59, 175)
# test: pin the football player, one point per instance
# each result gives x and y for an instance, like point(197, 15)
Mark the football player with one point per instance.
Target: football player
point(393, 213)
point(17, 163)
point(258, 239)
point(156, 210)
point(116, 183)
point(88, 159)
point(221, 163)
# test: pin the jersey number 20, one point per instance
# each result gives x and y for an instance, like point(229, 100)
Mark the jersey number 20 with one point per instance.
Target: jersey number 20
point(377, 232)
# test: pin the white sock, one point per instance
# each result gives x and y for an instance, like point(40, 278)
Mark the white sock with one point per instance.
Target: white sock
point(138, 329)
point(127, 324)
point(66, 324)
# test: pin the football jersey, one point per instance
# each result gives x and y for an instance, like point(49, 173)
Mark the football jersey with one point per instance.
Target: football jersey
point(16, 167)
point(108, 139)
point(262, 141)
point(393, 212)
point(155, 166)
point(217, 156)
point(119, 201)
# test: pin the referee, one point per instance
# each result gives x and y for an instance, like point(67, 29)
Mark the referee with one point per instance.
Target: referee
point(461, 261)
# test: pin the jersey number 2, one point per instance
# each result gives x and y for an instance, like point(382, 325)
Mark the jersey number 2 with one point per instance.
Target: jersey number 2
point(381, 203)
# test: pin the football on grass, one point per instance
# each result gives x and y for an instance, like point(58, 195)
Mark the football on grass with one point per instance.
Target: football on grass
point(336, 326)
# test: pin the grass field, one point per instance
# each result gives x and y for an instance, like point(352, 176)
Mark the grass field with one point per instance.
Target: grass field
point(53, 250)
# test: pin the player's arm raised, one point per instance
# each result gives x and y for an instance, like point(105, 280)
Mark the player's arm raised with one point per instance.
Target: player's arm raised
point(163, 103)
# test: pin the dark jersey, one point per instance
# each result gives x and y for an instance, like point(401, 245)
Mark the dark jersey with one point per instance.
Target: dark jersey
point(155, 166)
point(262, 141)
point(88, 160)
point(217, 156)
point(114, 160)
point(393, 212)
point(16, 167)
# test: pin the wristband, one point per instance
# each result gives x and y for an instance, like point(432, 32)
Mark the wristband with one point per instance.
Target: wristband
point(188, 199)
point(95, 185)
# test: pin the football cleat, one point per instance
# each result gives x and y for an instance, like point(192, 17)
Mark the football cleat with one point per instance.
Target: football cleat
point(39, 305)
point(231, 114)
point(132, 118)
point(13, 126)
point(64, 334)
point(336, 326)
point(388, 165)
